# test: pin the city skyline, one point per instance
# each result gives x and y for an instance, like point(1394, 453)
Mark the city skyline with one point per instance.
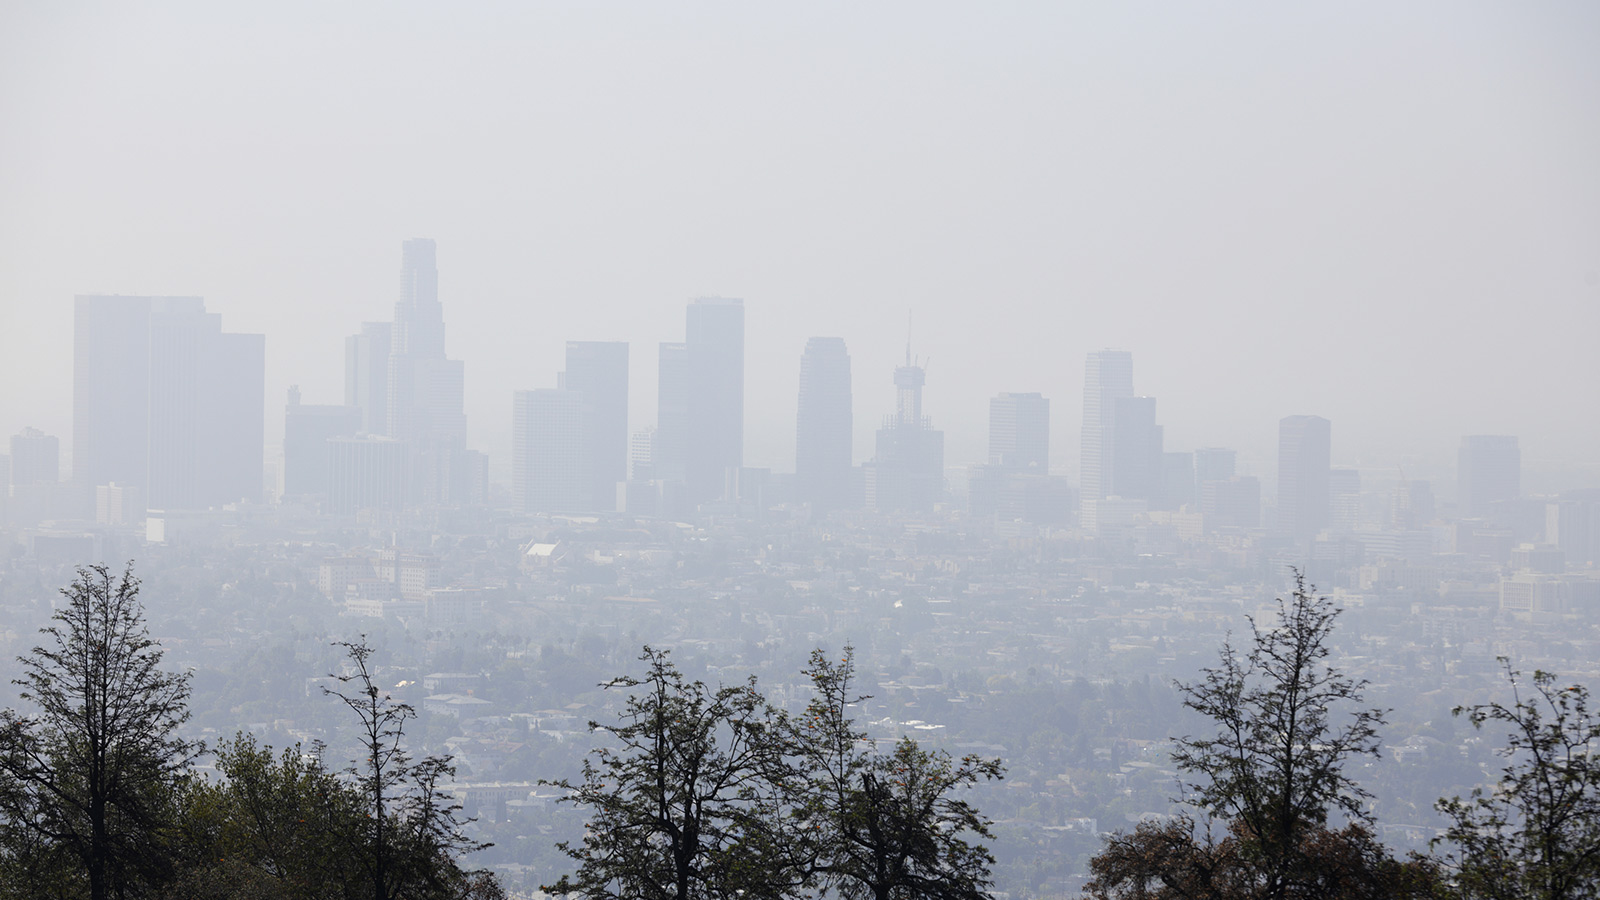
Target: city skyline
point(603, 366)
point(378, 354)
point(1389, 225)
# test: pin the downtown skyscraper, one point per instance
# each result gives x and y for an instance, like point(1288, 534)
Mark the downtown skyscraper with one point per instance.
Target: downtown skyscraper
point(1016, 484)
point(1136, 451)
point(824, 426)
point(598, 371)
point(671, 445)
point(714, 336)
point(1107, 377)
point(907, 473)
point(426, 390)
point(569, 444)
point(307, 429)
point(1019, 432)
point(552, 458)
point(167, 403)
point(366, 375)
point(700, 416)
point(397, 374)
point(1304, 449)
point(1488, 471)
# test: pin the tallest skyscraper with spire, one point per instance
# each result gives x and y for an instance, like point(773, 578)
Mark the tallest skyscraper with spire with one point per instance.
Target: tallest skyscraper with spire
point(425, 389)
point(418, 316)
point(407, 390)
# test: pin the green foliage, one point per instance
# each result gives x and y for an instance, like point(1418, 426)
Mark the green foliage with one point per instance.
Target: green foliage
point(1536, 835)
point(682, 807)
point(1287, 723)
point(885, 827)
point(1276, 761)
point(86, 782)
point(97, 799)
point(409, 834)
point(714, 793)
point(1171, 860)
point(287, 827)
point(272, 827)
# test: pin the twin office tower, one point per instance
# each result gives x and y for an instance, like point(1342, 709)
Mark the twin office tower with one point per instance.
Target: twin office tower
point(167, 408)
point(570, 444)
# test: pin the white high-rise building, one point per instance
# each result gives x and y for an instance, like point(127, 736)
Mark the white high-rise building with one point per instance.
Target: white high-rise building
point(1108, 376)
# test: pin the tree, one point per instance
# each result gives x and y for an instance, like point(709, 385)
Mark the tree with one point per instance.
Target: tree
point(1287, 723)
point(1276, 762)
point(1536, 835)
point(86, 782)
point(288, 828)
point(270, 828)
point(1168, 860)
point(685, 805)
point(411, 834)
point(885, 827)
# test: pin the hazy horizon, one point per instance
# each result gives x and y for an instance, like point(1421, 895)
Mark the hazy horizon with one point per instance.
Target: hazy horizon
point(1386, 216)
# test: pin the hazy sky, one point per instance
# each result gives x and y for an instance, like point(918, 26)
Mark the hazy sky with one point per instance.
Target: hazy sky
point(1386, 214)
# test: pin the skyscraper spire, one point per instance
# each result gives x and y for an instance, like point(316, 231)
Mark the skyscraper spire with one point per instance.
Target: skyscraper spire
point(908, 336)
point(418, 315)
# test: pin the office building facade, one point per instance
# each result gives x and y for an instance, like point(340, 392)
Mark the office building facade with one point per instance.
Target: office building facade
point(1488, 471)
point(368, 474)
point(598, 370)
point(1214, 464)
point(398, 375)
point(824, 426)
point(550, 451)
point(307, 428)
point(907, 472)
point(366, 375)
point(1107, 377)
point(714, 443)
point(1135, 443)
point(1304, 450)
point(35, 458)
point(166, 402)
point(1019, 432)
point(672, 413)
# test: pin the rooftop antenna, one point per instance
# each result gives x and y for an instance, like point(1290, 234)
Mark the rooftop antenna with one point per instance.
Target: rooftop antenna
point(908, 336)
